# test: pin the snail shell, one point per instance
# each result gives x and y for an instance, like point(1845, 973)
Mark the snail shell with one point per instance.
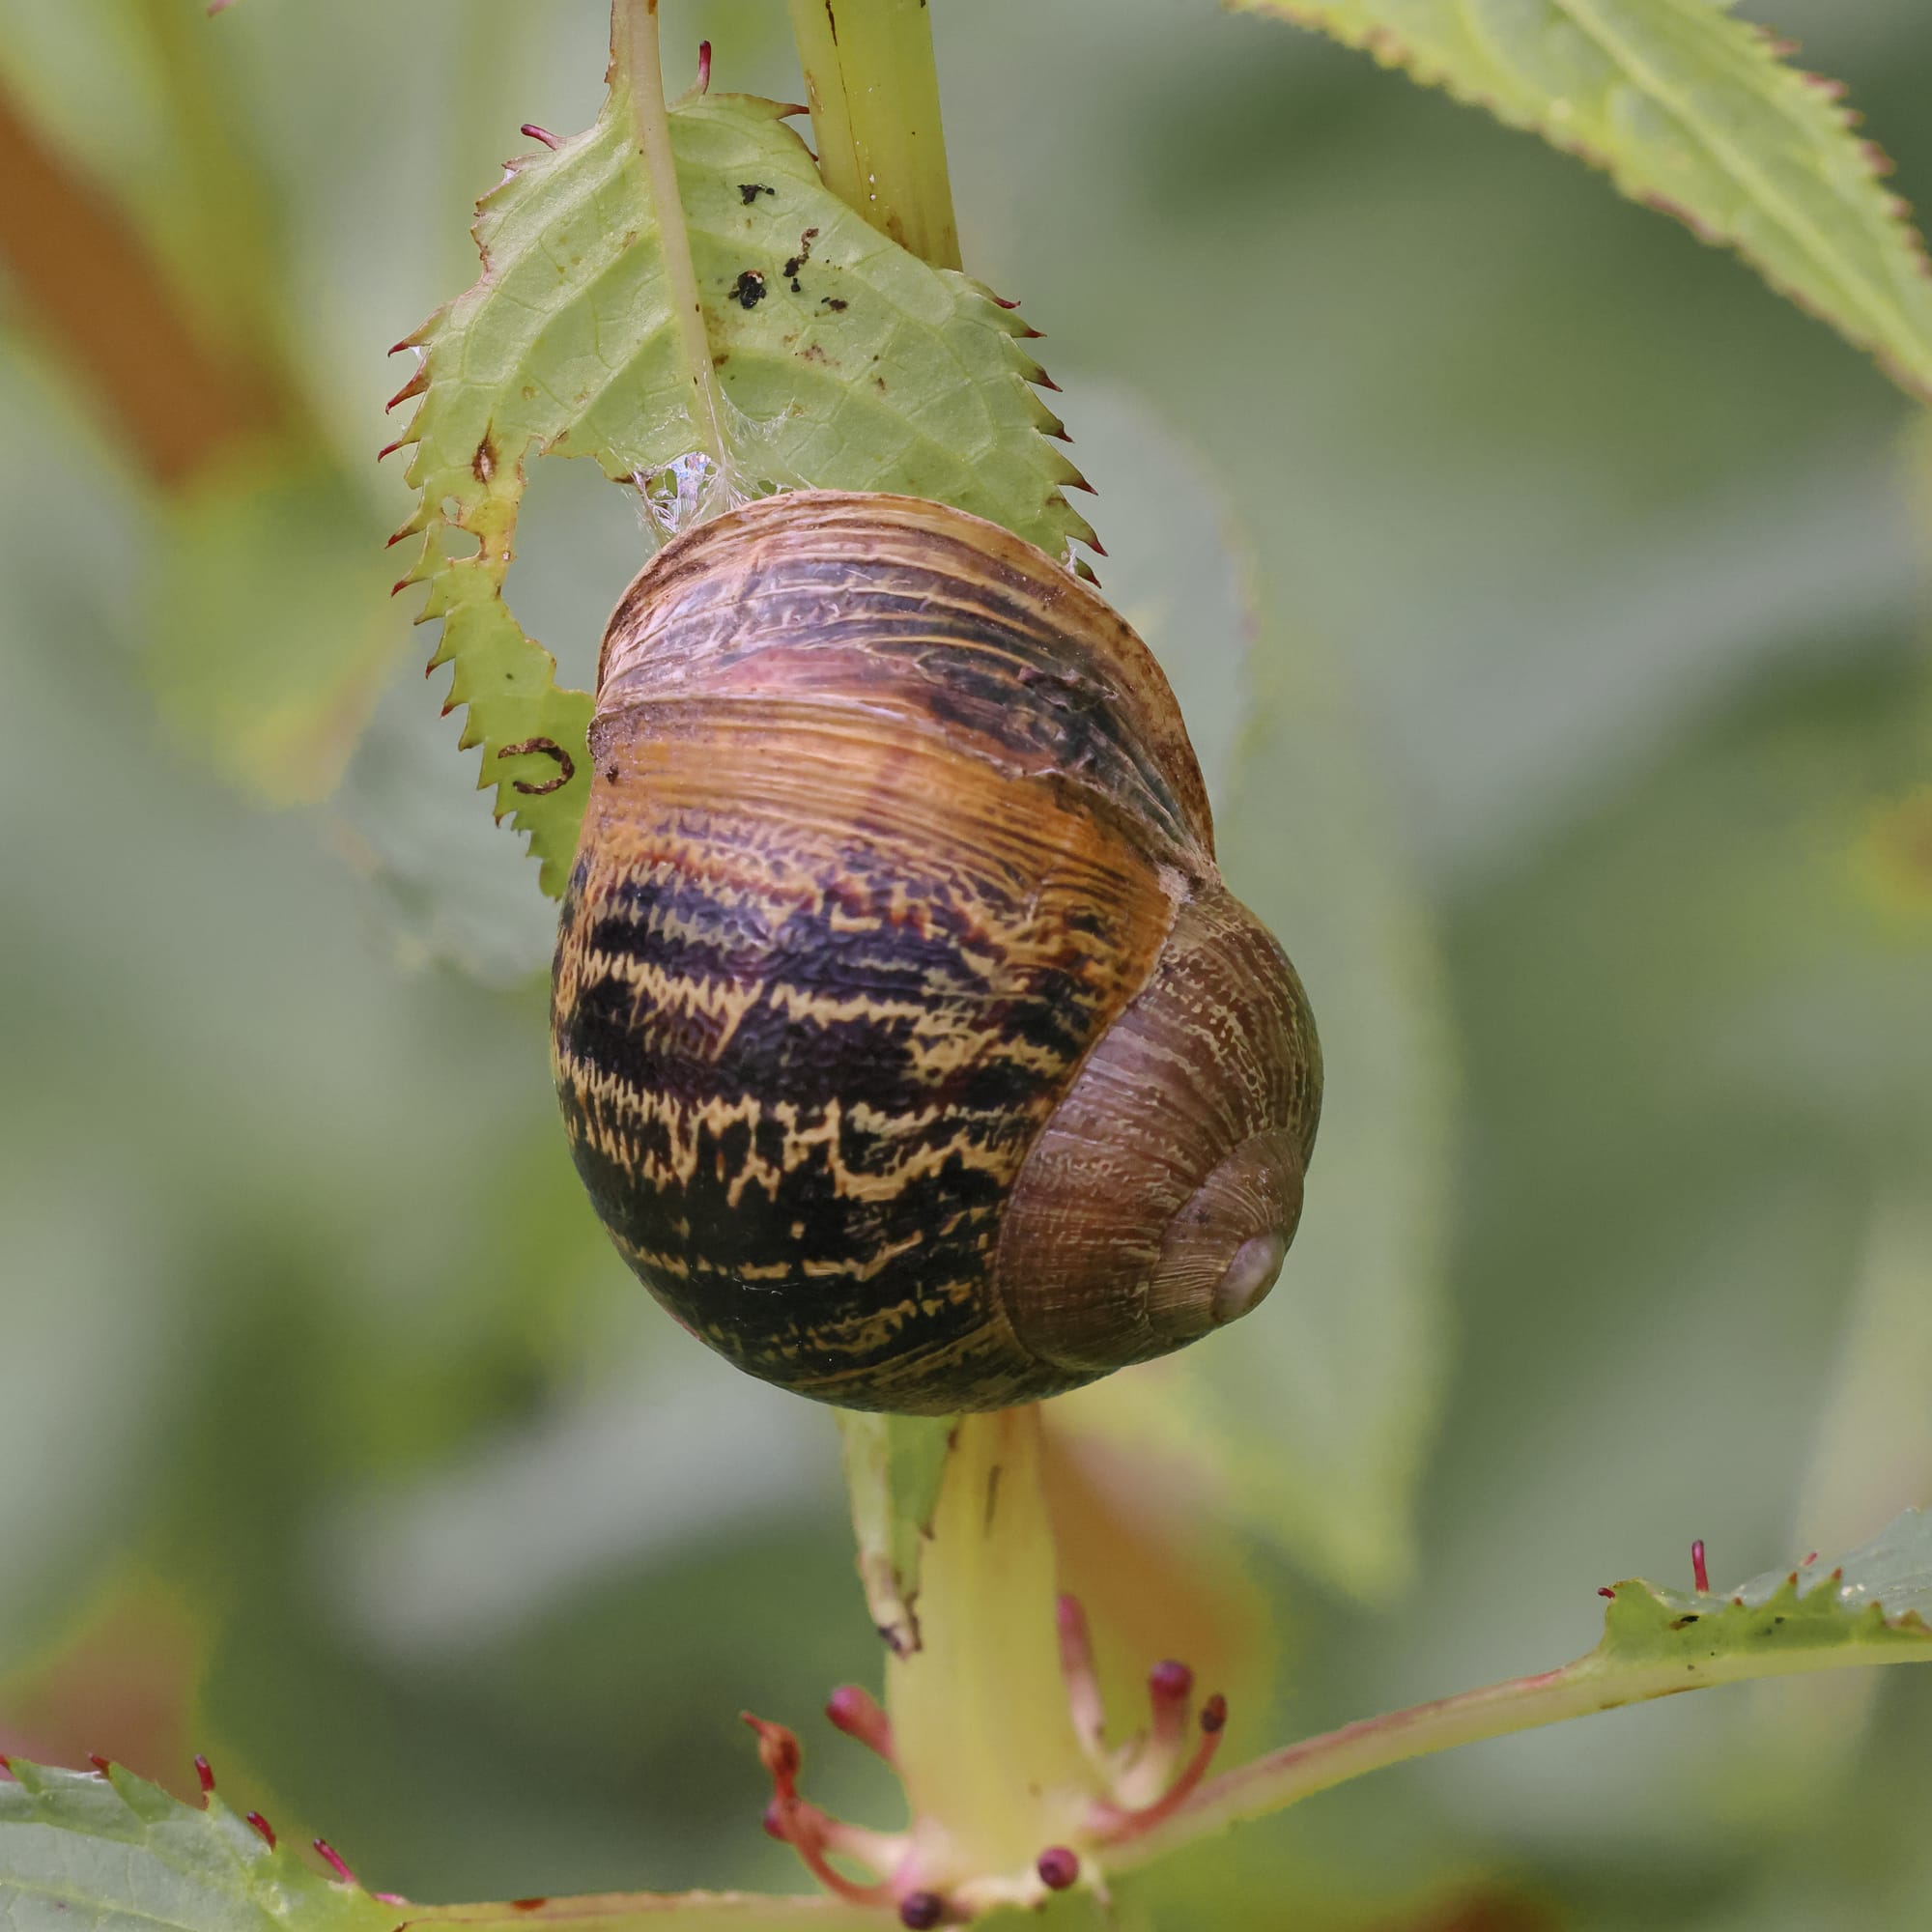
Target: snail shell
point(909, 1045)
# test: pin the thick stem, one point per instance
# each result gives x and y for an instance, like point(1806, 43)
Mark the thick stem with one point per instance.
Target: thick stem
point(980, 1728)
point(874, 94)
point(638, 71)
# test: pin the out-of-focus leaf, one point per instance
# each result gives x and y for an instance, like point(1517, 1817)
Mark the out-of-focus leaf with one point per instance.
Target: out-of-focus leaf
point(1873, 1444)
point(1160, 1576)
point(75, 1330)
point(171, 399)
point(269, 637)
point(845, 362)
point(1695, 1061)
point(126, 1668)
point(1309, 1422)
point(894, 1468)
point(470, 1555)
point(271, 634)
point(115, 1854)
point(1694, 113)
point(1175, 568)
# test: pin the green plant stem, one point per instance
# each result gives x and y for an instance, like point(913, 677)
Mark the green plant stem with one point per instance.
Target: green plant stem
point(638, 70)
point(874, 95)
point(981, 1732)
point(1591, 1684)
point(647, 1911)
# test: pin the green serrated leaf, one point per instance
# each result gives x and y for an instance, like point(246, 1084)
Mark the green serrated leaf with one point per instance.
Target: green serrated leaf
point(894, 1468)
point(1878, 1596)
point(1693, 112)
point(115, 1854)
point(845, 362)
point(1869, 1607)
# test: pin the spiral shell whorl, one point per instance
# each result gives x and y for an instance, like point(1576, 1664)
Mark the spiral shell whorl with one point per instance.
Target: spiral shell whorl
point(890, 820)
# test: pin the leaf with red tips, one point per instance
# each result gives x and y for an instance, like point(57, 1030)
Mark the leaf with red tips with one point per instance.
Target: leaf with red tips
point(1871, 1607)
point(80, 1848)
point(1879, 1597)
point(864, 368)
point(115, 1851)
point(1694, 113)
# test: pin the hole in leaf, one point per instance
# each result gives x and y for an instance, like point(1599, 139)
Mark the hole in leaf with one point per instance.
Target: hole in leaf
point(580, 540)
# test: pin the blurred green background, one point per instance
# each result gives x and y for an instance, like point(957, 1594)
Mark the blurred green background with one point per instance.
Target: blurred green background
point(1587, 773)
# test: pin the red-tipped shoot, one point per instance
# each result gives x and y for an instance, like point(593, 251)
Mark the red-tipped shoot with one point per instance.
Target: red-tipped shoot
point(802, 1826)
point(1605, 1590)
point(779, 1754)
point(853, 1711)
point(1170, 1686)
point(1699, 1574)
point(414, 387)
point(337, 1863)
point(1076, 1667)
point(1058, 1867)
point(101, 1764)
point(1115, 1825)
point(533, 132)
point(703, 67)
point(205, 1773)
point(261, 1825)
point(391, 449)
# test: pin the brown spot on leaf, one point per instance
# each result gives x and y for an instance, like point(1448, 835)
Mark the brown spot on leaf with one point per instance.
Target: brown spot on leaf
point(750, 192)
point(804, 255)
point(550, 748)
point(483, 465)
point(748, 289)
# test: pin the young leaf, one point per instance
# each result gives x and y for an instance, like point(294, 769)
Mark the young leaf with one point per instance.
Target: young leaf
point(893, 1466)
point(1691, 111)
point(1871, 1607)
point(115, 1853)
point(845, 362)
point(1876, 1600)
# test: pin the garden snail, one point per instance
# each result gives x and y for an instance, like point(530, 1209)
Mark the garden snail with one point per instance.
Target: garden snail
point(909, 1044)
